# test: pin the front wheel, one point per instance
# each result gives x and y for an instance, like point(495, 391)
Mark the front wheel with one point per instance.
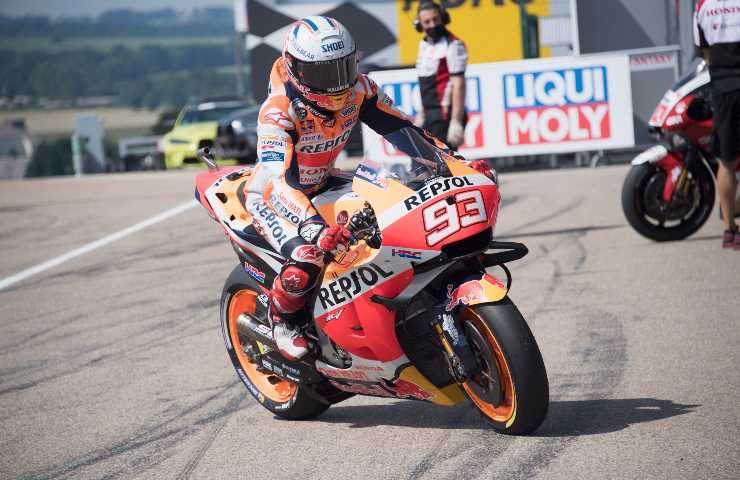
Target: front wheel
point(510, 389)
point(652, 217)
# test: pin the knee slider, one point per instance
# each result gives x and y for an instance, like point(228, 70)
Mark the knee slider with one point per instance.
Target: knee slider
point(295, 280)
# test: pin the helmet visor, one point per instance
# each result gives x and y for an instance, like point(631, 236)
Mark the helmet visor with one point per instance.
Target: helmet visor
point(328, 75)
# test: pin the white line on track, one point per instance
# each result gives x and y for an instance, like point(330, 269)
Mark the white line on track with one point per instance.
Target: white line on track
point(87, 248)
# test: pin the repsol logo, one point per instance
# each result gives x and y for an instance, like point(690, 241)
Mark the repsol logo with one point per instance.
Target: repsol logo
point(270, 222)
point(283, 210)
point(332, 47)
point(346, 288)
point(327, 145)
point(434, 189)
point(272, 143)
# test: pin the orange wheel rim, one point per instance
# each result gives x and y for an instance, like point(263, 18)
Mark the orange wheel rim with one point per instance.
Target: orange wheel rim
point(271, 386)
point(506, 410)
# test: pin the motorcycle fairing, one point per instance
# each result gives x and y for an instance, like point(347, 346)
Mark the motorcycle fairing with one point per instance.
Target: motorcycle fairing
point(205, 180)
point(452, 216)
point(411, 384)
point(344, 309)
point(414, 200)
point(221, 193)
point(671, 99)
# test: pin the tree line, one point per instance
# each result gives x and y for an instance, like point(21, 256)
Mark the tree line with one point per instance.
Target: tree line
point(147, 76)
point(207, 21)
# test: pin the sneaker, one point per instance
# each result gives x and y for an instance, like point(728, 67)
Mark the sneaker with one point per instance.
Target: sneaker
point(731, 239)
point(290, 343)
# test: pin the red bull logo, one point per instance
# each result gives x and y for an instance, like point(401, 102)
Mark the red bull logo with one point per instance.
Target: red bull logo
point(399, 389)
point(406, 389)
point(464, 294)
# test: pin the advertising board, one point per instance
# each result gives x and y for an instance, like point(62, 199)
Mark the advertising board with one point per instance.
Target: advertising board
point(530, 107)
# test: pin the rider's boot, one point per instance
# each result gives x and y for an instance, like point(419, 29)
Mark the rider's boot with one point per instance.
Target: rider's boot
point(284, 312)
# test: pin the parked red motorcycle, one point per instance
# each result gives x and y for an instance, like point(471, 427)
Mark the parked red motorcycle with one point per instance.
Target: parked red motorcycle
point(409, 311)
point(669, 192)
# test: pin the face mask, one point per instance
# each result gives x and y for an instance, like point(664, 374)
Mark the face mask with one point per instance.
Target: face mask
point(436, 33)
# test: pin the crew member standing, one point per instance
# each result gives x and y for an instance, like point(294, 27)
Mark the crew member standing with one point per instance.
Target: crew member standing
point(440, 66)
point(717, 33)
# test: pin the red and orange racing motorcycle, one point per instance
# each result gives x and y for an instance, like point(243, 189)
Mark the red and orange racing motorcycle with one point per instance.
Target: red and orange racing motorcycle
point(409, 311)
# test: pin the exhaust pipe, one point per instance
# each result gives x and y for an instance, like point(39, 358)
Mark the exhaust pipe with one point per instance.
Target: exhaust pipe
point(254, 330)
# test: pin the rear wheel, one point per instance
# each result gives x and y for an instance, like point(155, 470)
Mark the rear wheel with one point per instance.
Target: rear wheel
point(652, 217)
point(282, 397)
point(511, 389)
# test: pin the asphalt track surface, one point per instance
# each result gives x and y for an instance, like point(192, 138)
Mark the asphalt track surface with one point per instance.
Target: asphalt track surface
point(112, 364)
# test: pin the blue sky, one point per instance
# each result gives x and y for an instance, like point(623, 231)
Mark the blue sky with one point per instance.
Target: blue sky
point(81, 8)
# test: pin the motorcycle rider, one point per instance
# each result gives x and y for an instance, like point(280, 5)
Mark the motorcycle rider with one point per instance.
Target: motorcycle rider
point(717, 33)
point(315, 98)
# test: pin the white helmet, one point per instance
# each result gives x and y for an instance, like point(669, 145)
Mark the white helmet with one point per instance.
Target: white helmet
point(320, 60)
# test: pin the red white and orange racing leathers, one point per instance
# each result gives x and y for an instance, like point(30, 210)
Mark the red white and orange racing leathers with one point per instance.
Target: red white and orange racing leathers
point(297, 146)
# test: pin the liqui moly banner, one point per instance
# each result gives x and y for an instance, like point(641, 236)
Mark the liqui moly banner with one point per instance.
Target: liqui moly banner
point(530, 107)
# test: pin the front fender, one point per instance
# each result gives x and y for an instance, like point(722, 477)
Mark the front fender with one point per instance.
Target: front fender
point(652, 155)
point(671, 163)
point(487, 289)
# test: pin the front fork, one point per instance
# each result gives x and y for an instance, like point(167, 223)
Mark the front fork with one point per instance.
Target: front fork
point(460, 358)
point(682, 183)
point(683, 163)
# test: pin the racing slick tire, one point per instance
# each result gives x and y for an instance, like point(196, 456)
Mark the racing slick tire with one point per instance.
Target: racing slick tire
point(511, 389)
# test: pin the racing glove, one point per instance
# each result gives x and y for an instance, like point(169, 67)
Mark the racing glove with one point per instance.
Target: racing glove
point(455, 134)
point(333, 238)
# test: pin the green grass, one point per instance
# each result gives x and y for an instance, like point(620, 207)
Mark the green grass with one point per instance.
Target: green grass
point(61, 122)
point(103, 43)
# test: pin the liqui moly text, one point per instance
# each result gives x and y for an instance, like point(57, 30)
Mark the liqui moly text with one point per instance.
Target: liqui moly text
point(554, 106)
